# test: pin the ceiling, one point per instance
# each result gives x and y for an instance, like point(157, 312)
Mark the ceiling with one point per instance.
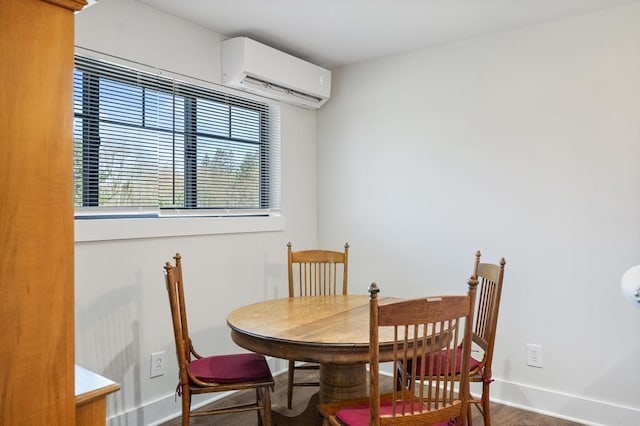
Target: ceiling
point(331, 33)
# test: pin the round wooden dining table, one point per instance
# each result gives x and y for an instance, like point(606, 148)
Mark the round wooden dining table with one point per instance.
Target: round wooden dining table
point(330, 330)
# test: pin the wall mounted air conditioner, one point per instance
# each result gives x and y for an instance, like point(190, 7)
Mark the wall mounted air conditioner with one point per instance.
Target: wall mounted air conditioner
point(265, 71)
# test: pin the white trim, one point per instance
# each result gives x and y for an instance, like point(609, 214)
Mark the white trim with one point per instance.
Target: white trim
point(560, 405)
point(524, 397)
point(563, 405)
point(169, 407)
point(161, 410)
point(161, 227)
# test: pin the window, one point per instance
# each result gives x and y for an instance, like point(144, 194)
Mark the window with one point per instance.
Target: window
point(144, 142)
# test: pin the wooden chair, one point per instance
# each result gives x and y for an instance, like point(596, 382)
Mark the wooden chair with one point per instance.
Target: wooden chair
point(490, 277)
point(221, 373)
point(314, 273)
point(421, 329)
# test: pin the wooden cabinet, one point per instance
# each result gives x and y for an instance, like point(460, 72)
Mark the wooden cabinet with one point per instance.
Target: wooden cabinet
point(36, 212)
point(91, 397)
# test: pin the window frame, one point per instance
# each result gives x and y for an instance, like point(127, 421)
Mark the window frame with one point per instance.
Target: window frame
point(120, 224)
point(193, 99)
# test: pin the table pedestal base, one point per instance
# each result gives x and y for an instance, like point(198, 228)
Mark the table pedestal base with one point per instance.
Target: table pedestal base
point(339, 382)
point(309, 417)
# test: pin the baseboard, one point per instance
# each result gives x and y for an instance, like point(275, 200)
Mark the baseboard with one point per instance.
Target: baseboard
point(563, 405)
point(160, 411)
point(556, 404)
point(169, 407)
point(525, 397)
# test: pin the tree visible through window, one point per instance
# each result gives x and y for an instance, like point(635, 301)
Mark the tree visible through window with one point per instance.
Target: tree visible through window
point(146, 141)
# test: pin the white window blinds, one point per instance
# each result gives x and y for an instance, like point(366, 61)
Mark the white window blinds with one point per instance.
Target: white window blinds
point(146, 142)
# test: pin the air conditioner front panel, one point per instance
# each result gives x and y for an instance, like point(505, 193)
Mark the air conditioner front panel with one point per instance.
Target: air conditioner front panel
point(243, 57)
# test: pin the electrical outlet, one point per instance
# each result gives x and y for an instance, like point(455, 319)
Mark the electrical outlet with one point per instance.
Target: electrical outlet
point(157, 364)
point(534, 355)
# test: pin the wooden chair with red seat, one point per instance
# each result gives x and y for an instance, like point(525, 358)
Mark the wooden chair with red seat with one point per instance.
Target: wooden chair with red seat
point(314, 273)
point(490, 277)
point(431, 399)
point(219, 373)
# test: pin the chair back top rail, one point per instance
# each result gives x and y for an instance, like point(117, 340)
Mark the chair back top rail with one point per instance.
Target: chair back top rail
point(317, 272)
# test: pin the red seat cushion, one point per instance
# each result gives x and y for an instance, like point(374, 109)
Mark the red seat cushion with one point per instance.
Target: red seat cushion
point(357, 416)
point(440, 366)
point(230, 368)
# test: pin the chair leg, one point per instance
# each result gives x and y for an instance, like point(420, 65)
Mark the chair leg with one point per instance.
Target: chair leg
point(400, 385)
point(486, 409)
point(260, 400)
point(290, 384)
point(186, 406)
point(266, 405)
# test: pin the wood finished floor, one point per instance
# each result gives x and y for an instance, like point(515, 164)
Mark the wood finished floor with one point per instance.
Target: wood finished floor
point(501, 414)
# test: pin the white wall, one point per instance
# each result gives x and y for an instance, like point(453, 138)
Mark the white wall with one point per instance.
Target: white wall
point(122, 311)
point(523, 144)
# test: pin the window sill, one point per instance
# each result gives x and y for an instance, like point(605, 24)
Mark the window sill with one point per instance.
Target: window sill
point(87, 230)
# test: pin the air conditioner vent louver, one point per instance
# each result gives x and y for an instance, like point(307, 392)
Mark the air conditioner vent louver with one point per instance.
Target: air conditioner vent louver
point(260, 69)
point(283, 91)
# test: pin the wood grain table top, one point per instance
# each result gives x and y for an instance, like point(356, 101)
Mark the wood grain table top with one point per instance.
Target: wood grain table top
point(326, 329)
